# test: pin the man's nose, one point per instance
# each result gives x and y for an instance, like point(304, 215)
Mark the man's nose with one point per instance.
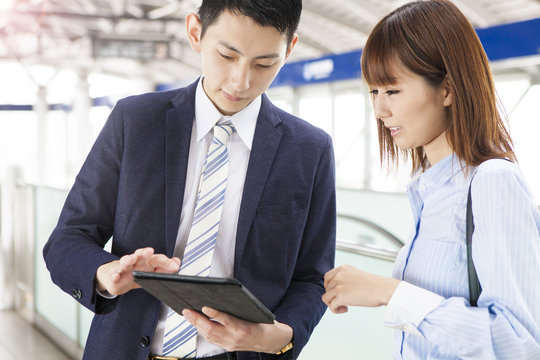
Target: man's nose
point(240, 77)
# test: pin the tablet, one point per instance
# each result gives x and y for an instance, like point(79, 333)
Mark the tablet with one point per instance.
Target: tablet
point(181, 292)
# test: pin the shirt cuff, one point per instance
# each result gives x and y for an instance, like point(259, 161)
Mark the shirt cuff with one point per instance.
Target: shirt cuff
point(105, 294)
point(408, 307)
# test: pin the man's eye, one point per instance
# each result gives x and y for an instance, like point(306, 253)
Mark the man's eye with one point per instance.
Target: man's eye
point(225, 56)
point(374, 92)
point(392, 92)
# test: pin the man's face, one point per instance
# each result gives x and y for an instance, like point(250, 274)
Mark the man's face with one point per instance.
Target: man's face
point(240, 58)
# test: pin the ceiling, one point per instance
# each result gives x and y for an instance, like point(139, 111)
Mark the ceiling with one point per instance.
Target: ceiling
point(89, 35)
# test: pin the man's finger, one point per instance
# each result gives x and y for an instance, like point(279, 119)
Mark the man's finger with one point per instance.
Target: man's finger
point(161, 262)
point(144, 252)
point(115, 277)
point(128, 261)
point(219, 316)
point(196, 319)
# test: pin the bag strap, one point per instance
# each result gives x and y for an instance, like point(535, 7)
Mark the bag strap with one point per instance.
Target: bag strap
point(474, 285)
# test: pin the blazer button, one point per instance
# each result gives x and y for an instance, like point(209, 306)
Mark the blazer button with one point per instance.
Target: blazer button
point(77, 293)
point(145, 341)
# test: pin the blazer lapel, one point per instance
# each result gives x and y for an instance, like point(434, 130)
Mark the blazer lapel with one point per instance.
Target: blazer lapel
point(265, 144)
point(179, 123)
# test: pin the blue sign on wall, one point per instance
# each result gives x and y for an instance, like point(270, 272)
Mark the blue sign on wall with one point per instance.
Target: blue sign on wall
point(327, 68)
point(511, 40)
point(500, 42)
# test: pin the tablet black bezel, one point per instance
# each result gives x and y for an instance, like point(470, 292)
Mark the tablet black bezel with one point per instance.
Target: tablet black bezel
point(237, 300)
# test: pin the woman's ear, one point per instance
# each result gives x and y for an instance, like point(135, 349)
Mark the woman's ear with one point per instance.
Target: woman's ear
point(448, 97)
point(194, 31)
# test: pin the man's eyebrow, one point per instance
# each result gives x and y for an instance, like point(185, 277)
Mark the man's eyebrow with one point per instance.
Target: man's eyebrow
point(232, 48)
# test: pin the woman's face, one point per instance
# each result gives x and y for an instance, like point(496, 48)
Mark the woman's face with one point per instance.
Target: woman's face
point(414, 112)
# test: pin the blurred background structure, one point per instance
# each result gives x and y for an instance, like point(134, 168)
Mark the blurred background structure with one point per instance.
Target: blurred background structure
point(65, 63)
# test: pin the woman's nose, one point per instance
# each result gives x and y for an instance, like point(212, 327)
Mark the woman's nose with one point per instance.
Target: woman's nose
point(380, 108)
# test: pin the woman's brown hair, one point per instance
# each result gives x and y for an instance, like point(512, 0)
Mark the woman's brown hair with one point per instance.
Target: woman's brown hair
point(435, 40)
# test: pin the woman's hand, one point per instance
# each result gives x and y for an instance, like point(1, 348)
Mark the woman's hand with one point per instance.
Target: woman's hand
point(348, 286)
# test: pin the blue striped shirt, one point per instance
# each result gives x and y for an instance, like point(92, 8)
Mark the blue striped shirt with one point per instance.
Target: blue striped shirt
point(506, 254)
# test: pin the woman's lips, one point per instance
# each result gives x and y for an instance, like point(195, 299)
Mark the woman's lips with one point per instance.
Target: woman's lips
point(394, 130)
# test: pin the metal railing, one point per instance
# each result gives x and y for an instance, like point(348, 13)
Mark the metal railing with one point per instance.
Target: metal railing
point(366, 249)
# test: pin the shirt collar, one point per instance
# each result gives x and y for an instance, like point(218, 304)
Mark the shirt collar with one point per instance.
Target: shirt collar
point(437, 175)
point(207, 115)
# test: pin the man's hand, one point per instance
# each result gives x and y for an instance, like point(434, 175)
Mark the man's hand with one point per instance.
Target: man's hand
point(233, 334)
point(347, 286)
point(115, 277)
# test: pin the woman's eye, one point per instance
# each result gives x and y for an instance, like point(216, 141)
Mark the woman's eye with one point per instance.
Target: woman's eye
point(391, 92)
point(263, 66)
point(374, 92)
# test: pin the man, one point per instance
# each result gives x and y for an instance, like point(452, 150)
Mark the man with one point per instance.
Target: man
point(144, 182)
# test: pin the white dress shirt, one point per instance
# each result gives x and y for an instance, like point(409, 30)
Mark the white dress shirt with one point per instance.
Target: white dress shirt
point(430, 308)
point(239, 149)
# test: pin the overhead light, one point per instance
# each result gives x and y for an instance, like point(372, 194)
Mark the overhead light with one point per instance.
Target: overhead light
point(163, 11)
point(137, 47)
point(6, 5)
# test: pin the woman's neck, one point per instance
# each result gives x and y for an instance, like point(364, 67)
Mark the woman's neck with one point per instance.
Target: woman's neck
point(437, 149)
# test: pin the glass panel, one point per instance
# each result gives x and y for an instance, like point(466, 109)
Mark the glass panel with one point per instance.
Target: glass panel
point(391, 211)
point(359, 231)
point(283, 105)
point(18, 142)
point(282, 97)
point(3, 272)
point(56, 149)
point(349, 144)
point(62, 87)
point(315, 106)
point(52, 303)
point(524, 127)
point(57, 307)
point(360, 330)
point(85, 320)
point(21, 88)
point(510, 91)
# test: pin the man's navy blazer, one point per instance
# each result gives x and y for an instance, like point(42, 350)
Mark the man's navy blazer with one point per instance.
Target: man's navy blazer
point(131, 187)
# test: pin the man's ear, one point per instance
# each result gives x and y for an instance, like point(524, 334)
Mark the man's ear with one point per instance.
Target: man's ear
point(291, 45)
point(194, 31)
point(448, 98)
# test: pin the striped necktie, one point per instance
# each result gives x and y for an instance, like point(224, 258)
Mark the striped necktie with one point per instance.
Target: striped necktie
point(180, 338)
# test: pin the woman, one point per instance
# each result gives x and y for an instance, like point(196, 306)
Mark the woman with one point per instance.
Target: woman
point(435, 103)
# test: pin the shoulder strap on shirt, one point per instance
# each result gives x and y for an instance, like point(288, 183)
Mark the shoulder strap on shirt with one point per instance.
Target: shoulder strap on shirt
point(474, 285)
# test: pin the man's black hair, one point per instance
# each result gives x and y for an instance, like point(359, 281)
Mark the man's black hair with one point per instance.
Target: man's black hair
point(284, 15)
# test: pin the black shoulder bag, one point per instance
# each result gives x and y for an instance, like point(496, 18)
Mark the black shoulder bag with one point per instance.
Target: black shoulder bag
point(474, 285)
